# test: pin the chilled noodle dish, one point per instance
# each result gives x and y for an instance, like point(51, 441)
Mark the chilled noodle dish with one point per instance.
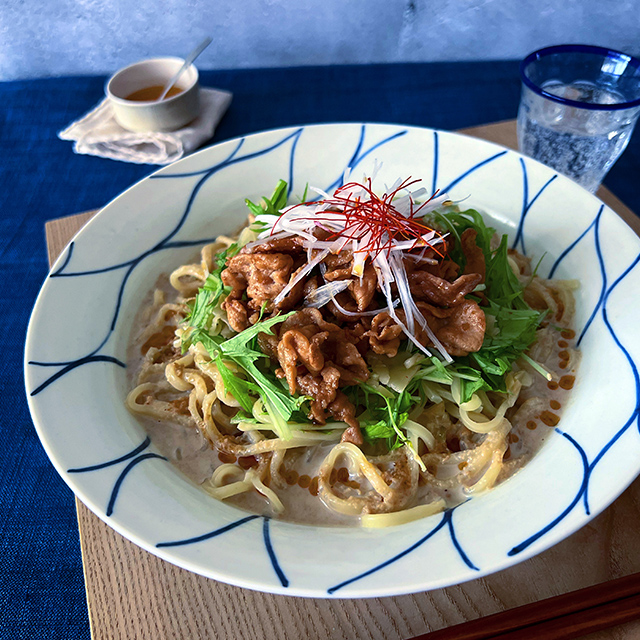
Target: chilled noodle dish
point(368, 357)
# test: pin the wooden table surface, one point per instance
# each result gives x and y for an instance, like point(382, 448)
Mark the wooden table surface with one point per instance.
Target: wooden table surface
point(133, 594)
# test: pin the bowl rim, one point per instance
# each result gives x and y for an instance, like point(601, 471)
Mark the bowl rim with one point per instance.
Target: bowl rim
point(551, 538)
point(578, 48)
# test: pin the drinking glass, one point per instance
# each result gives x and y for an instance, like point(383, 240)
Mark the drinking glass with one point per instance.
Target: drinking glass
point(578, 108)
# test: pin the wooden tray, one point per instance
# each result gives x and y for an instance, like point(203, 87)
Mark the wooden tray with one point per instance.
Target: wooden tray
point(133, 594)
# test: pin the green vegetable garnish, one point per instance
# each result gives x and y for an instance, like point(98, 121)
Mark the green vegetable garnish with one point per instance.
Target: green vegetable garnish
point(511, 329)
point(271, 206)
point(387, 412)
point(511, 323)
point(202, 306)
point(245, 353)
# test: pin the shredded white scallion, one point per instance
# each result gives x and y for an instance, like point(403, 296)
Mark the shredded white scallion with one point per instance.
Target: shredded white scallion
point(385, 251)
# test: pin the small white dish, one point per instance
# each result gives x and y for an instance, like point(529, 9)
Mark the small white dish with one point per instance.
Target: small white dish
point(77, 344)
point(167, 115)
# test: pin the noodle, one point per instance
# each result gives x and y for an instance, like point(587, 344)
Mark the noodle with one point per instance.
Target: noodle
point(452, 426)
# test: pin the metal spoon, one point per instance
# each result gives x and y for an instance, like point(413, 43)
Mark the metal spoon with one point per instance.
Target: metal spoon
point(187, 62)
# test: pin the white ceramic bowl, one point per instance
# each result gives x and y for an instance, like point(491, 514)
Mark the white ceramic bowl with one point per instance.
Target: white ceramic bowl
point(169, 114)
point(80, 326)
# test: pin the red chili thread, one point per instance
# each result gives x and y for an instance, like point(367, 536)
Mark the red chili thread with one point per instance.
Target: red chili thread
point(376, 216)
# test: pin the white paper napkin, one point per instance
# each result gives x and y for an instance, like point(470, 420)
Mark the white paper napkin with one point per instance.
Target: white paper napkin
point(98, 134)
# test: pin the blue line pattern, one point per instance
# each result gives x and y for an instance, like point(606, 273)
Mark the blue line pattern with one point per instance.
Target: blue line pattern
point(436, 145)
point(363, 148)
point(271, 553)
point(123, 475)
point(573, 245)
point(266, 536)
point(601, 310)
point(110, 463)
point(130, 265)
point(207, 536)
point(445, 521)
point(536, 536)
point(526, 205)
point(474, 168)
point(136, 456)
point(70, 366)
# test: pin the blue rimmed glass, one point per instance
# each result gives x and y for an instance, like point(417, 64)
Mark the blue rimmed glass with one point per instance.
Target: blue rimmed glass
point(578, 108)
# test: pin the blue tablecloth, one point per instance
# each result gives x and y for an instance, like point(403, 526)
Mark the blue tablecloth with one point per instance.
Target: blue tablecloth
point(41, 584)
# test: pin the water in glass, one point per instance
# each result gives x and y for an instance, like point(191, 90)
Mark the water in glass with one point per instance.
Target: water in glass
point(580, 143)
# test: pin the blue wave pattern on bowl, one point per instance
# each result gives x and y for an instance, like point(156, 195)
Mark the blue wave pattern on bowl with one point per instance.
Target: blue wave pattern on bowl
point(136, 456)
point(360, 152)
point(600, 308)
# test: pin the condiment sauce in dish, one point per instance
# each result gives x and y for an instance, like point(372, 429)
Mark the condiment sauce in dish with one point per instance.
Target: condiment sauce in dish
point(151, 94)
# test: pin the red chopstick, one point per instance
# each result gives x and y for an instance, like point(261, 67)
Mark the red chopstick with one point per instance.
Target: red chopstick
point(563, 617)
